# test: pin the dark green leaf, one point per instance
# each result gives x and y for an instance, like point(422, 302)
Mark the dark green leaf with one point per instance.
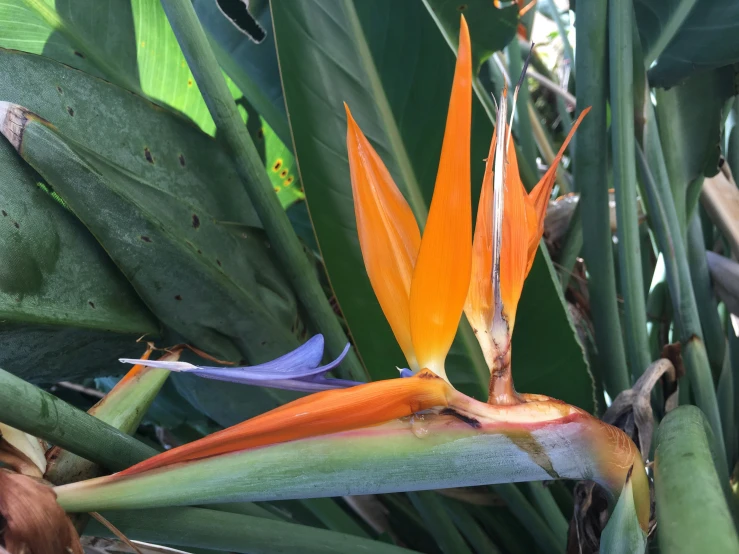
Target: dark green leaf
point(156, 207)
point(685, 41)
point(491, 28)
point(67, 312)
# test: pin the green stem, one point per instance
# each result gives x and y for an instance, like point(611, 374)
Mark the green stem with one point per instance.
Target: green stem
point(571, 247)
point(666, 228)
point(197, 527)
point(590, 176)
point(530, 518)
point(624, 180)
point(38, 413)
point(547, 506)
point(298, 269)
point(431, 508)
point(688, 489)
point(713, 330)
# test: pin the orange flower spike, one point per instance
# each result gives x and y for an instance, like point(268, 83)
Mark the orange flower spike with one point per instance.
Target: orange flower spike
point(388, 234)
point(494, 293)
point(479, 305)
point(442, 272)
point(321, 413)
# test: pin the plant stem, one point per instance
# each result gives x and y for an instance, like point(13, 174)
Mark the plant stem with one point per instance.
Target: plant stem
point(528, 516)
point(38, 413)
point(198, 527)
point(298, 269)
point(591, 178)
point(624, 180)
point(688, 490)
point(544, 501)
point(713, 330)
point(666, 228)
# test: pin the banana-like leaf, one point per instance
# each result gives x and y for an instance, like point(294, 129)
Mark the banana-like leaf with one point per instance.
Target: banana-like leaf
point(65, 308)
point(158, 203)
point(687, 37)
point(394, 68)
point(424, 452)
point(690, 119)
point(131, 44)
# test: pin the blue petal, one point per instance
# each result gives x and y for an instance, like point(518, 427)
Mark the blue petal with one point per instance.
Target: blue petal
point(405, 372)
point(271, 371)
point(298, 370)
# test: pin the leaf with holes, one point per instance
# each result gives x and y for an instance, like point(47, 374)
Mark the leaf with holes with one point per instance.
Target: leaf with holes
point(157, 196)
point(66, 310)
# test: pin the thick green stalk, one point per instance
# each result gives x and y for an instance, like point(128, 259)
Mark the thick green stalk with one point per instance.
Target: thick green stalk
point(517, 503)
point(478, 539)
point(547, 507)
point(422, 454)
point(200, 528)
point(713, 330)
point(298, 269)
point(431, 508)
point(591, 162)
point(624, 180)
point(123, 408)
point(666, 228)
point(38, 413)
point(689, 495)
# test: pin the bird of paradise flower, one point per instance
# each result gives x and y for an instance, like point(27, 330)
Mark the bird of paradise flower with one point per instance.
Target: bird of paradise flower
point(423, 286)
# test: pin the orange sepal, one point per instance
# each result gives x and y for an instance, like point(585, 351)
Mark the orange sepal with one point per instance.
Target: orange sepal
point(321, 413)
point(519, 225)
point(442, 272)
point(479, 305)
point(388, 234)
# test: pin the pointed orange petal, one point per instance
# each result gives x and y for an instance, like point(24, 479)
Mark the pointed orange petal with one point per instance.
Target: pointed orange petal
point(318, 414)
point(442, 274)
point(519, 220)
point(541, 193)
point(388, 234)
point(479, 305)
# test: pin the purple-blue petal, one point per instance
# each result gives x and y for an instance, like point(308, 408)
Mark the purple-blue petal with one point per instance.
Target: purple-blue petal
point(297, 370)
point(294, 365)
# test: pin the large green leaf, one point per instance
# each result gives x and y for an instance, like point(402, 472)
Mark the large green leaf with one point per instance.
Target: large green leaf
point(690, 119)
point(128, 42)
point(391, 64)
point(66, 311)
point(158, 196)
point(131, 43)
point(687, 37)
